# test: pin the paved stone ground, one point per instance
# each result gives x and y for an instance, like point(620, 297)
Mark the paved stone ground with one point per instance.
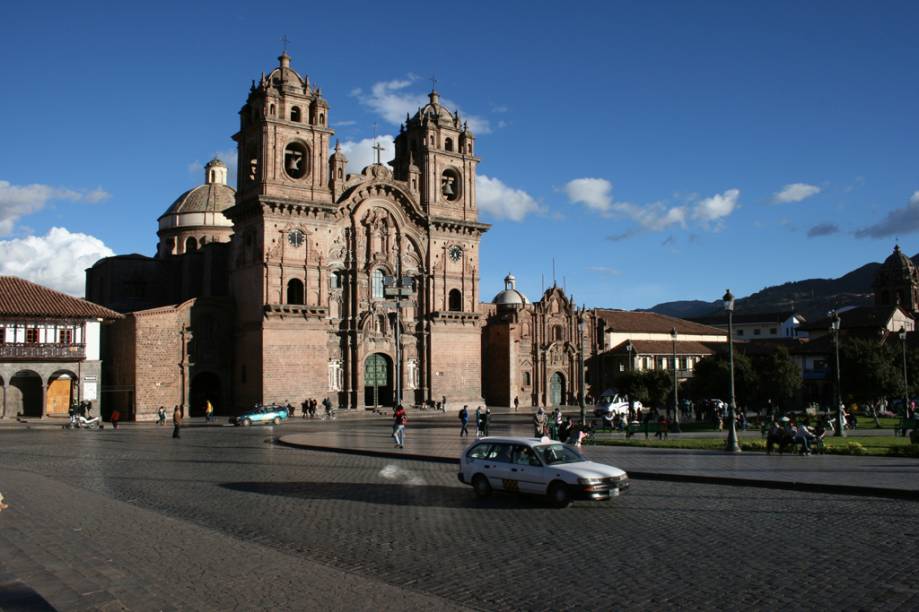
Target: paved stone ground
point(440, 437)
point(223, 519)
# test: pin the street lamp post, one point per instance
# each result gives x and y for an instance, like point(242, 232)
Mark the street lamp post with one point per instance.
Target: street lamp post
point(581, 363)
point(629, 347)
point(676, 386)
point(731, 444)
point(840, 422)
point(902, 335)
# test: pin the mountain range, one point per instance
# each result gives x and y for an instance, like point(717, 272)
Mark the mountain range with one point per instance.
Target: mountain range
point(812, 297)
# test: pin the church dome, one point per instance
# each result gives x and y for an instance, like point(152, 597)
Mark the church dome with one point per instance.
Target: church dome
point(214, 196)
point(196, 217)
point(510, 296)
point(898, 265)
point(436, 112)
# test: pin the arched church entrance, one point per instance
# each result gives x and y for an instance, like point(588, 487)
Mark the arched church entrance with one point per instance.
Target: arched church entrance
point(60, 393)
point(205, 387)
point(556, 389)
point(25, 394)
point(378, 377)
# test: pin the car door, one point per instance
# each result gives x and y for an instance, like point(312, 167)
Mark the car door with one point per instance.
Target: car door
point(498, 468)
point(527, 470)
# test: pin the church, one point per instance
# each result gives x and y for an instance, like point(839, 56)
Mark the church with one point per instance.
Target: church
point(306, 281)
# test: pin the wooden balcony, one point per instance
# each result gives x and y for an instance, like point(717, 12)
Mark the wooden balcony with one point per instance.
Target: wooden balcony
point(22, 351)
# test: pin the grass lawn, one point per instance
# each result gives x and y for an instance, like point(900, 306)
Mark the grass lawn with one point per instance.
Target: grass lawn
point(889, 446)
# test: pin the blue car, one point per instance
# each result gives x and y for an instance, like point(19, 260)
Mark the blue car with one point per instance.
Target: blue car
point(273, 414)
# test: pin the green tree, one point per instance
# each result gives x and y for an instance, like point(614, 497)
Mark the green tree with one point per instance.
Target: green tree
point(659, 384)
point(778, 379)
point(711, 378)
point(868, 370)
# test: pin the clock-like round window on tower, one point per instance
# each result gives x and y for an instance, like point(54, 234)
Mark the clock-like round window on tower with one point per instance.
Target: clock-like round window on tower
point(455, 252)
point(296, 160)
point(295, 238)
point(451, 184)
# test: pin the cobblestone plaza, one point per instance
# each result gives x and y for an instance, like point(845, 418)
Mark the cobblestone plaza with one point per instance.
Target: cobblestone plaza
point(227, 519)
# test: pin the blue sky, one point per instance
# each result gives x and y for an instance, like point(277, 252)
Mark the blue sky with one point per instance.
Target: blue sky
point(658, 150)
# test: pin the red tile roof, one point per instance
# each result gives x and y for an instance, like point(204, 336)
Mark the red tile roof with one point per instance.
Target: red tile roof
point(21, 298)
point(665, 347)
point(651, 322)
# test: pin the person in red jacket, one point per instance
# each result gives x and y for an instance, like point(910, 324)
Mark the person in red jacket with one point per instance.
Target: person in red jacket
point(398, 426)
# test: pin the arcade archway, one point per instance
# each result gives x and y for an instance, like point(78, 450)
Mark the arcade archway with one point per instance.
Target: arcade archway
point(24, 394)
point(205, 387)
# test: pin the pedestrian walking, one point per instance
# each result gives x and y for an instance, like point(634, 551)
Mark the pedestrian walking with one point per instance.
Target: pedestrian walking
point(208, 411)
point(176, 422)
point(443, 403)
point(539, 422)
point(161, 416)
point(116, 416)
point(516, 403)
point(327, 404)
point(478, 422)
point(398, 431)
point(486, 421)
point(464, 421)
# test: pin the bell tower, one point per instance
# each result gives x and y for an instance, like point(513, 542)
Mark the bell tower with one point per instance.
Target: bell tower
point(283, 140)
point(441, 148)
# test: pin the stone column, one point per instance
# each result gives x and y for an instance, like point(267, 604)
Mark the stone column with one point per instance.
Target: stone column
point(44, 398)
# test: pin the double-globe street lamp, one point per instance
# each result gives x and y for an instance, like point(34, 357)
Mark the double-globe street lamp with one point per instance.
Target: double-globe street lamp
point(902, 334)
point(581, 363)
point(840, 421)
point(731, 444)
point(676, 392)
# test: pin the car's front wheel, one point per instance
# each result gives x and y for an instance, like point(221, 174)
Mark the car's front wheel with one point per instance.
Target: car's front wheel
point(559, 495)
point(481, 486)
point(247, 422)
point(276, 420)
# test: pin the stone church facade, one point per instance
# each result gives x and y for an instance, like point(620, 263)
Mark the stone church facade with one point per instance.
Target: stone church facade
point(285, 289)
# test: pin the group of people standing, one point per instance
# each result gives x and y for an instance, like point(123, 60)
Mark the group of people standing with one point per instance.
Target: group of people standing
point(482, 421)
point(309, 407)
point(559, 427)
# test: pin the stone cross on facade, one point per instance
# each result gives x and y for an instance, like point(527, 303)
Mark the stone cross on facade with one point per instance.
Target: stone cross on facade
point(377, 147)
point(285, 40)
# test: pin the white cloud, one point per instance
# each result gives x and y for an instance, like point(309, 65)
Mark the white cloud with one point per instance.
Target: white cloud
point(595, 193)
point(655, 217)
point(360, 153)
point(504, 202)
point(392, 101)
point(795, 192)
point(57, 260)
point(899, 221)
point(717, 207)
point(17, 201)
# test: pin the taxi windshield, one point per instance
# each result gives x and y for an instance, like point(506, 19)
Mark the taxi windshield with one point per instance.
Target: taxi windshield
point(553, 454)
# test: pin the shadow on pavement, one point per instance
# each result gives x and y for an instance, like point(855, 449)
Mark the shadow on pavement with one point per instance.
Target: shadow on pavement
point(431, 496)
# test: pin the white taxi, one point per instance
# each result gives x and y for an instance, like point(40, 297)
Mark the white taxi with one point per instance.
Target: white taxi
point(538, 466)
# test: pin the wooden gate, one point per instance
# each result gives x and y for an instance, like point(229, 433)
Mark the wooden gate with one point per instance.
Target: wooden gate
point(58, 397)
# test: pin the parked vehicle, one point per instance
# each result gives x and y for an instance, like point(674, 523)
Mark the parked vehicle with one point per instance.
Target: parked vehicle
point(538, 466)
point(78, 421)
point(611, 404)
point(273, 414)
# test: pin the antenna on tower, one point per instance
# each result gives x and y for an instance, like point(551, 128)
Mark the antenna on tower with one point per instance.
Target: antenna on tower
point(284, 41)
point(553, 272)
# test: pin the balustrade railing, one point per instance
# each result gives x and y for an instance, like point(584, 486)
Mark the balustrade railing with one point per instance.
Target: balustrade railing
point(35, 351)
